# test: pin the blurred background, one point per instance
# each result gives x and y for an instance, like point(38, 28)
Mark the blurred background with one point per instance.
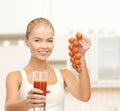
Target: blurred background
point(98, 19)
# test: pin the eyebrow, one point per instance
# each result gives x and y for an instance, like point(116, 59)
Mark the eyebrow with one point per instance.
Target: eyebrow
point(41, 38)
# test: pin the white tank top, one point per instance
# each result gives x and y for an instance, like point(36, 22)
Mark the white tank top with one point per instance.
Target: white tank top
point(54, 100)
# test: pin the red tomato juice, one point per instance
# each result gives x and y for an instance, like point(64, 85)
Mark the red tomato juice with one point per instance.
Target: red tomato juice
point(41, 85)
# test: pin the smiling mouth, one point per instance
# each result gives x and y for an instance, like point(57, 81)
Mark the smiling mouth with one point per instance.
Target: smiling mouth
point(43, 52)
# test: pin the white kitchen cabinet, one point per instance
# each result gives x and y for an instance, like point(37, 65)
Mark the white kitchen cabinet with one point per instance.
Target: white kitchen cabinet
point(109, 58)
point(107, 61)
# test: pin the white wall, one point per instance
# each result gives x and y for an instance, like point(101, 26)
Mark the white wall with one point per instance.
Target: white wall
point(15, 14)
point(66, 15)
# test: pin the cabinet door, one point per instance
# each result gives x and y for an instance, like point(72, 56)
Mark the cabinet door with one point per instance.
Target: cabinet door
point(108, 58)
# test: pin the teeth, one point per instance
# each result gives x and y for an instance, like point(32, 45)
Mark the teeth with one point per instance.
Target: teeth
point(43, 52)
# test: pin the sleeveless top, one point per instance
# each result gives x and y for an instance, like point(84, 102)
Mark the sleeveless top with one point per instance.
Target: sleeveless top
point(54, 100)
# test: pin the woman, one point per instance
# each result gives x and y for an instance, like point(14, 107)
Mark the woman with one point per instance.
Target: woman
point(20, 94)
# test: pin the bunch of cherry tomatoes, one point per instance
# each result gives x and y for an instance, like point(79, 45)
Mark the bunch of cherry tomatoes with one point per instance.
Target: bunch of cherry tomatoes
point(74, 51)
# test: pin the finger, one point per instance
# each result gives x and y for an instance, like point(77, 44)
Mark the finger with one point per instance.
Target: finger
point(36, 96)
point(35, 90)
point(39, 105)
point(48, 92)
point(85, 42)
point(37, 101)
point(82, 42)
point(33, 105)
point(88, 41)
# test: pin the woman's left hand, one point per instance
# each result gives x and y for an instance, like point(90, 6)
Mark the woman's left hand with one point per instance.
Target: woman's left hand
point(85, 44)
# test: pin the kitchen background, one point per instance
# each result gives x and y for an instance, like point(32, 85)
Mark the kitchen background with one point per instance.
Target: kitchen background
point(98, 19)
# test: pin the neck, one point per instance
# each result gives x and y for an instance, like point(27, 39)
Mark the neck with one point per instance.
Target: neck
point(37, 65)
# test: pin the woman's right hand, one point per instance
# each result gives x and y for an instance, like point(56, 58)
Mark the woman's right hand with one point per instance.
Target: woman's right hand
point(35, 98)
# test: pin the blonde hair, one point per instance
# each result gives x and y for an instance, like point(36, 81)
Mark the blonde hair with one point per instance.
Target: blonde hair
point(38, 22)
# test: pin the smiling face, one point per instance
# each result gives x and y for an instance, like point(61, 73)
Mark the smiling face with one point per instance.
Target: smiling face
point(40, 40)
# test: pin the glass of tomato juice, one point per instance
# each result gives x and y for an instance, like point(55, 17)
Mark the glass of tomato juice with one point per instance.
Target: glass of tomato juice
point(40, 82)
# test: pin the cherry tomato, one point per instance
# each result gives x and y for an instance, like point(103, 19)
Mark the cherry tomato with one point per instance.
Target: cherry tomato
point(72, 59)
point(74, 66)
point(70, 47)
point(77, 56)
point(76, 43)
point(77, 62)
point(71, 40)
point(75, 50)
point(71, 54)
point(79, 70)
point(78, 35)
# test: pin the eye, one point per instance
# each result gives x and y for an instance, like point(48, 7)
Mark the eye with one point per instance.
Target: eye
point(50, 40)
point(36, 40)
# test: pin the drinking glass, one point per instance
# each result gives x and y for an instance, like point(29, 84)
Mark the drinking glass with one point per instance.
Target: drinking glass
point(40, 82)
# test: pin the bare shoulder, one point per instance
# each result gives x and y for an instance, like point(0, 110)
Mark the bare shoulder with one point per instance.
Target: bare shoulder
point(66, 73)
point(68, 76)
point(14, 77)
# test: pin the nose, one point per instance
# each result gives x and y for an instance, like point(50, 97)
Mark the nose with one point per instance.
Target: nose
point(44, 45)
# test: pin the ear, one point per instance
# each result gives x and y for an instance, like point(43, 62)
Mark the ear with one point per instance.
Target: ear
point(27, 42)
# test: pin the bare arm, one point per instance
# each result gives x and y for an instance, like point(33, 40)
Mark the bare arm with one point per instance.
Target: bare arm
point(84, 82)
point(12, 87)
point(79, 88)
